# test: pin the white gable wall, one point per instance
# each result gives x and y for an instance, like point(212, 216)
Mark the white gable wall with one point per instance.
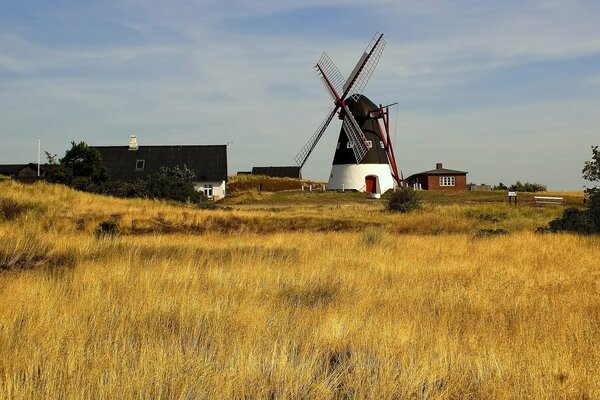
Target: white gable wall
point(213, 190)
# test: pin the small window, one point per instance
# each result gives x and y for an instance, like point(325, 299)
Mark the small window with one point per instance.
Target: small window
point(349, 145)
point(447, 181)
point(369, 144)
point(208, 190)
point(338, 145)
point(381, 144)
point(139, 165)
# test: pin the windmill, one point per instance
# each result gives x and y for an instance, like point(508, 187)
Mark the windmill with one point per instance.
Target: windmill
point(364, 158)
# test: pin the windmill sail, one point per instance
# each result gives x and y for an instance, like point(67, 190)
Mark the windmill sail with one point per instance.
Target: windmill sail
point(355, 135)
point(358, 79)
point(302, 156)
point(341, 90)
point(329, 72)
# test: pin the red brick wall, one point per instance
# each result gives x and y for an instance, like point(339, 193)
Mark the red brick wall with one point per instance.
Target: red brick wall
point(433, 182)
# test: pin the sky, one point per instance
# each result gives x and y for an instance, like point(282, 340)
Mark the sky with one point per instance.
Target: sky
point(506, 90)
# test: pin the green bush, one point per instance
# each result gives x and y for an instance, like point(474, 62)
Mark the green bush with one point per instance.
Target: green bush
point(527, 187)
point(125, 189)
point(107, 228)
point(175, 184)
point(403, 200)
point(583, 221)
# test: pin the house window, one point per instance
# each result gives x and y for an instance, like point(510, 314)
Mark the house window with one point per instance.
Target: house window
point(446, 181)
point(207, 189)
point(349, 145)
point(369, 144)
point(139, 165)
point(381, 144)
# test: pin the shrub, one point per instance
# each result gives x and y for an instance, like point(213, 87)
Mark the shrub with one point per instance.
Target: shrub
point(403, 200)
point(108, 228)
point(11, 209)
point(372, 236)
point(126, 189)
point(583, 221)
point(572, 220)
point(175, 184)
point(485, 233)
point(527, 187)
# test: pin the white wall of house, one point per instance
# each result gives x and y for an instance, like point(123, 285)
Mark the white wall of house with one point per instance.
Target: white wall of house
point(213, 190)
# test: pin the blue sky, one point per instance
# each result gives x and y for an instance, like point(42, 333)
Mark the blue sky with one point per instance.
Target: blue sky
point(506, 90)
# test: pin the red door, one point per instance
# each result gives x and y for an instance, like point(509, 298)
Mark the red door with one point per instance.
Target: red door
point(371, 183)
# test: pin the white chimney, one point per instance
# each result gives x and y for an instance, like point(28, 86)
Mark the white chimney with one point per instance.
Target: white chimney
point(133, 145)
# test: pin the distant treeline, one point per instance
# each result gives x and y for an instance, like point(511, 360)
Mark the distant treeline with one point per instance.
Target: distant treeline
point(521, 187)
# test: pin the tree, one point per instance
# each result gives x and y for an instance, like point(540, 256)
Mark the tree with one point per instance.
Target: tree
point(584, 221)
point(591, 173)
point(591, 169)
point(81, 167)
point(174, 184)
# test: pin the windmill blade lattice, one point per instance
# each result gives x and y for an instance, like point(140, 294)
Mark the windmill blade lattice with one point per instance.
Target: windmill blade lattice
point(333, 74)
point(355, 135)
point(302, 156)
point(340, 89)
point(375, 48)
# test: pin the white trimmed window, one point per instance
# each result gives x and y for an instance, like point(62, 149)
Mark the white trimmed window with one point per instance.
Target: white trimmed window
point(139, 165)
point(208, 189)
point(447, 181)
point(349, 145)
point(369, 144)
point(381, 144)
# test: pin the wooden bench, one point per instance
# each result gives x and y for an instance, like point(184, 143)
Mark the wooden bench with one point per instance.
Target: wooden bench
point(540, 200)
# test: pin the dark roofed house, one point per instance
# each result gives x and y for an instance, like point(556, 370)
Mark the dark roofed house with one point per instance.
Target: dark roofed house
point(439, 178)
point(128, 163)
point(278, 172)
point(24, 172)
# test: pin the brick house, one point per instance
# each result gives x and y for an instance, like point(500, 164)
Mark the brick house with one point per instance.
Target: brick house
point(439, 178)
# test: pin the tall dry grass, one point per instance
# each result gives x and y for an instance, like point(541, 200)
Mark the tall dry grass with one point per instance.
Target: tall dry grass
point(290, 313)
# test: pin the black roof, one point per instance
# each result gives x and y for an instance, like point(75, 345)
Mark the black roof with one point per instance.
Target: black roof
point(7, 169)
point(209, 162)
point(278, 172)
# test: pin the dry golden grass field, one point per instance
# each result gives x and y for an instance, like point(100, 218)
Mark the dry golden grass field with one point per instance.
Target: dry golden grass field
point(293, 295)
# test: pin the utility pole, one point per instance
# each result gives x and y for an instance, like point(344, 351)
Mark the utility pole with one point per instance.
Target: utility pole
point(39, 154)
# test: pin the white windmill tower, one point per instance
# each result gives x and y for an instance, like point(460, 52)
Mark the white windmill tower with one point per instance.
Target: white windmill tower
point(364, 158)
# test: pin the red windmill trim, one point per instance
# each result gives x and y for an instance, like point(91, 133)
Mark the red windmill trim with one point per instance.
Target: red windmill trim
point(387, 143)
